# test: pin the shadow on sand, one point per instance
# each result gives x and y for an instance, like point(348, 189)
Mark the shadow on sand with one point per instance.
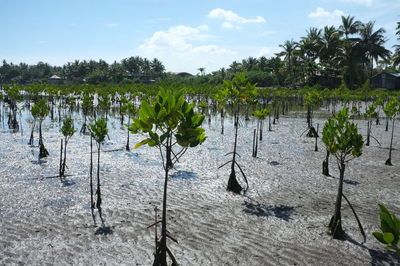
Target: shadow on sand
point(281, 211)
point(378, 257)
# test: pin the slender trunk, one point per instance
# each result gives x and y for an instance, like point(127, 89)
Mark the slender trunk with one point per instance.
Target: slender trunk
point(222, 121)
point(387, 124)
point(389, 161)
point(325, 165)
point(368, 132)
point(316, 138)
point(65, 156)
point(269, 123)
point(61, 153)
point(261, 129)
point(254, 143)
point(98, 192)
point(91, 173)
point(127, 139)
point(335, 225)
point(233, 184)
point(31, 138)
point(162, 260)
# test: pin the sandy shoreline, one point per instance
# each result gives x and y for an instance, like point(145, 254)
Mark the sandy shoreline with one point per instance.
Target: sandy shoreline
point(280, 221)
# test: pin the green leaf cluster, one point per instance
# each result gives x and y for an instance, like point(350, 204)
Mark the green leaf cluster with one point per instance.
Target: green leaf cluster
point(341, 137)
point(392, 108)
point(239, 88)
point(313, 98)
point(67, 128)
point(40, 109)
point(262, 114)
point(87, 104)
point(128, 108)
point(390, 227)
point(371, 113)
point(169, 114)
point(99, 130)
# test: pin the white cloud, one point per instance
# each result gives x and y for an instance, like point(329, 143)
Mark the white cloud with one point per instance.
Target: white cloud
point(360, 2)
point(324, 17)
point(228, 25)
point(203, 27)
point(230, 18)
point(185, 49)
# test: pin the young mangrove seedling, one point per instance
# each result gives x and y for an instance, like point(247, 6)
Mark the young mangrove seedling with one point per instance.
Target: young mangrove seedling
point(238, 89)
point(40, 110)
point(370, 114)
point(390, 229)
point(391, 109)
point(98, 131)
point(260, 115)
point(169, 120)
point(67, 130)
point(342, 140)
point(130, 110)
point(87, 109)
point(312, 99)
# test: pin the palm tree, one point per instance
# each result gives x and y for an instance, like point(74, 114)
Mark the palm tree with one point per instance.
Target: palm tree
point(329, 45)
point(349, 26)
point(396, 56)
point(372, 43)
point(289, 48)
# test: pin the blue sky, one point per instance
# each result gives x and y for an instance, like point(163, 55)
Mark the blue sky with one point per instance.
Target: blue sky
point(184, 35)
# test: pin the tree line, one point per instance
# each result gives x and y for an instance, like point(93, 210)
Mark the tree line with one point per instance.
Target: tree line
point(350, 53)
point(129, 69)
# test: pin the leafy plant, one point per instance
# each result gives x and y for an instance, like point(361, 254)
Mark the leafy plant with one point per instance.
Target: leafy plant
point(169, 120)
point(98, 131)
point(311, 99)
point(390, 229)
point(260, 115)
point(370, 114)
point(391, 109)
point(342, 140)
point(67, 130)
point(237, 88)
point(129, 109)
point(39, 111)
point(87, 109)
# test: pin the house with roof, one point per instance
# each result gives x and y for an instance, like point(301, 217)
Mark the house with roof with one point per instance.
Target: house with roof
point(389, 81)
point(55, 79)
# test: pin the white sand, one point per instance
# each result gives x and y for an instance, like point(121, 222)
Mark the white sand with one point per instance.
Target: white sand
point(280, 221)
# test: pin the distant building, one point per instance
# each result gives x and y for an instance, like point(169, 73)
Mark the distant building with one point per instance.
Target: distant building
point(55, 80)
point(182, 74)
point(389, 81)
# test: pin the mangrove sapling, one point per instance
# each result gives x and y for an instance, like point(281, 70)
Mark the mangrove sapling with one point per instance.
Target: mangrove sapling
point(13, 96)
point(390, 229)
point(260, 115)
point(67, 130)
point(237, 88)
point(169, 120)
point(370, 114)
point(40, 110)
point(342, 140)
point(221, 99)
point(311, 99)
point(87, 109)
point(391, 109)
point(122, 101)
point(130, 110)
point(98, 131)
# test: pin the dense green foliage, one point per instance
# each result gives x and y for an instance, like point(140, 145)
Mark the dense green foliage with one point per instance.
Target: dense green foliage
point(390, 229)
